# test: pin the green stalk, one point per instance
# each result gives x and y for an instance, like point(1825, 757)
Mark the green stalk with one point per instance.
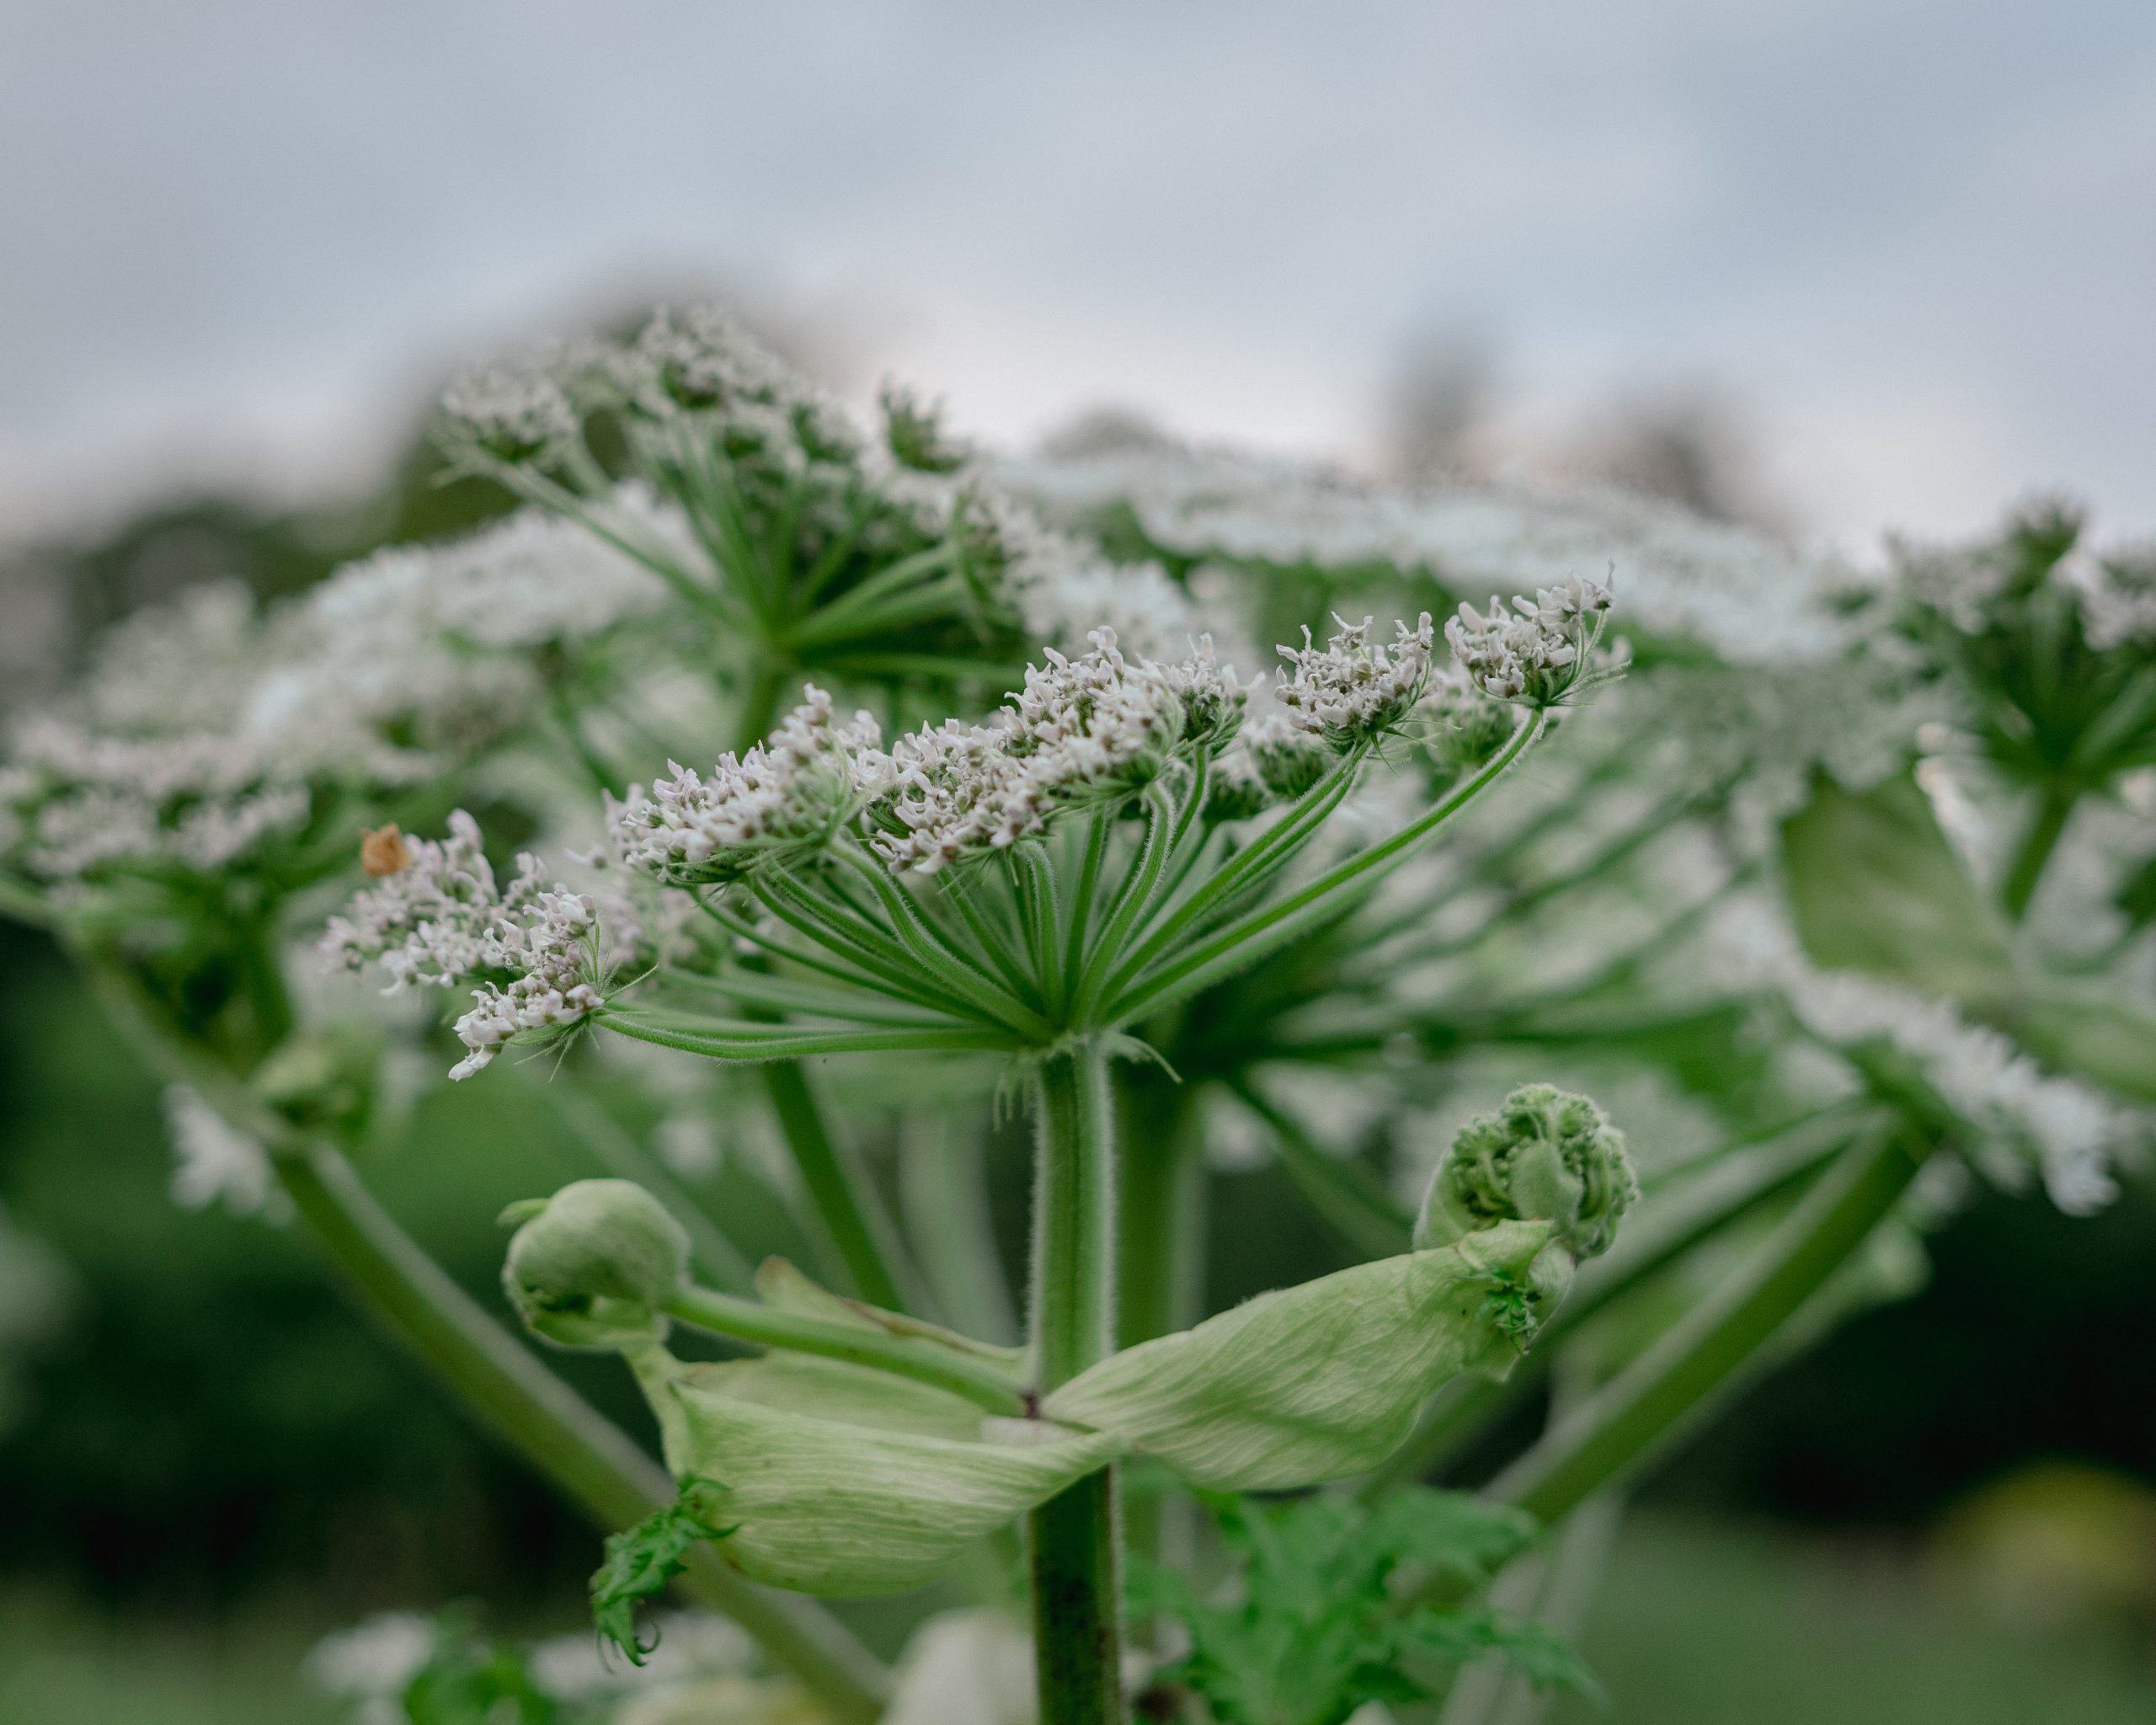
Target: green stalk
point(1368, 1219)
point(1077, 1633)
point(1160, 1214)
point(589, 1457)
point(493, 1375)
point(924, 1361)
point(760, 701)
point(1250, 936)
point(1655, 1396)
point(1160, 1263)
point(2046, 827)
point(842, 1198)
point(943, 1194)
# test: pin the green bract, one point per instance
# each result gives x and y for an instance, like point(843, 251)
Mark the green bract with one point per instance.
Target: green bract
point(1546, 1155)
point(830, 1506)
point(1315, 1382)
point(593, 1266)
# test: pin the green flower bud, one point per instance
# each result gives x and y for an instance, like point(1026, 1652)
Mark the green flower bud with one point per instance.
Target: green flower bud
point(1546, 1155)
point(594, 1265)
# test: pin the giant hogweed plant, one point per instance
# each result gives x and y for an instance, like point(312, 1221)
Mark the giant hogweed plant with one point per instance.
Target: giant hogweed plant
point(1030, 887)
point(1116, 879)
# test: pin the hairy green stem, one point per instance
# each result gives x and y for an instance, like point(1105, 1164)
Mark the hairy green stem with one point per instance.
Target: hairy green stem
point(1077, 1633)
point(926, 1362)
point(1655, 1396)
point(1160, 1212)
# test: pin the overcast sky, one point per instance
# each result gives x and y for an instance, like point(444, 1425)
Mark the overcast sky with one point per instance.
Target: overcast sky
point(1916, 237)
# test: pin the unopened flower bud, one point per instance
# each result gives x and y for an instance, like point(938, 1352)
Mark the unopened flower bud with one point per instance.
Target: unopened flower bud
point(593, 1265)
point(1288, 760)
point(1546, 1155)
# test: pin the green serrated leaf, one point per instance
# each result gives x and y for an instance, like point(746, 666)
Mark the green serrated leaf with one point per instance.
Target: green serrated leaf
point(1316, 1624)
point(1315, 1382)
point(640, 1559)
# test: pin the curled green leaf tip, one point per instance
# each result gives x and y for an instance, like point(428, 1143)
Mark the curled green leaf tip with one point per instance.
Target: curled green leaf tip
point(640, 1559)
point(1547, 1155)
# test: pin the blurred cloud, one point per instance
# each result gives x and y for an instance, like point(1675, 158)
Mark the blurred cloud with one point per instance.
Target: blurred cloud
point(1915, 239)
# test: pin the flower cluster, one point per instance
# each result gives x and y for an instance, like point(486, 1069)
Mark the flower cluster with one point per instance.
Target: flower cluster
point(2016, 1114)
point(81, 804)
point(697, 386)
point(429, 918)
point(214, 1162)
point(1538, 654)
point(554, 954)
point(1749, 598)
point(436, 642)
point(1354, 691)
point(2069, 1130)
point(514, 408)
point(788, 793)
point(1063, 588)
point(1081, 730)
point(2117, 595)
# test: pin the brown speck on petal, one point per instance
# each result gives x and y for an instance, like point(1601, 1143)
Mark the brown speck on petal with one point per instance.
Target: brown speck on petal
point(384, 852)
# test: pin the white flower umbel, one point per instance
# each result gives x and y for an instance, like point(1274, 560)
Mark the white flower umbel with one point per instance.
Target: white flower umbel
point(1538, 654)
point(430, 919)
point(86, 805)
point(2069, 1129)
point(1747, 597)
point(1064, 588)
point(1082, 730)
point(2117, 595)
point(790, 794)
point(555, 954)
point(1354, 691)
point(374, 1661)
point(2018, 1117)
point(515, 409)
point(436, 641)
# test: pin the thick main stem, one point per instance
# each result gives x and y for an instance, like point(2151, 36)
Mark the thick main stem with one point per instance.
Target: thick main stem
point(1658, 1394)
point(1077, 1632)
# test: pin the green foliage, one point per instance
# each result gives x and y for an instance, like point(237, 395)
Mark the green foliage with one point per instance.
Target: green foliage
point(470, 1681)
point(1875, 886)
point(640, 1559)
point(1325, 1616)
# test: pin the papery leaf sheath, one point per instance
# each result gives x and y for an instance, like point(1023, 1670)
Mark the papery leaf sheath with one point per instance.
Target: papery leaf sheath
point(824, 1505)
point(1315, 1382)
